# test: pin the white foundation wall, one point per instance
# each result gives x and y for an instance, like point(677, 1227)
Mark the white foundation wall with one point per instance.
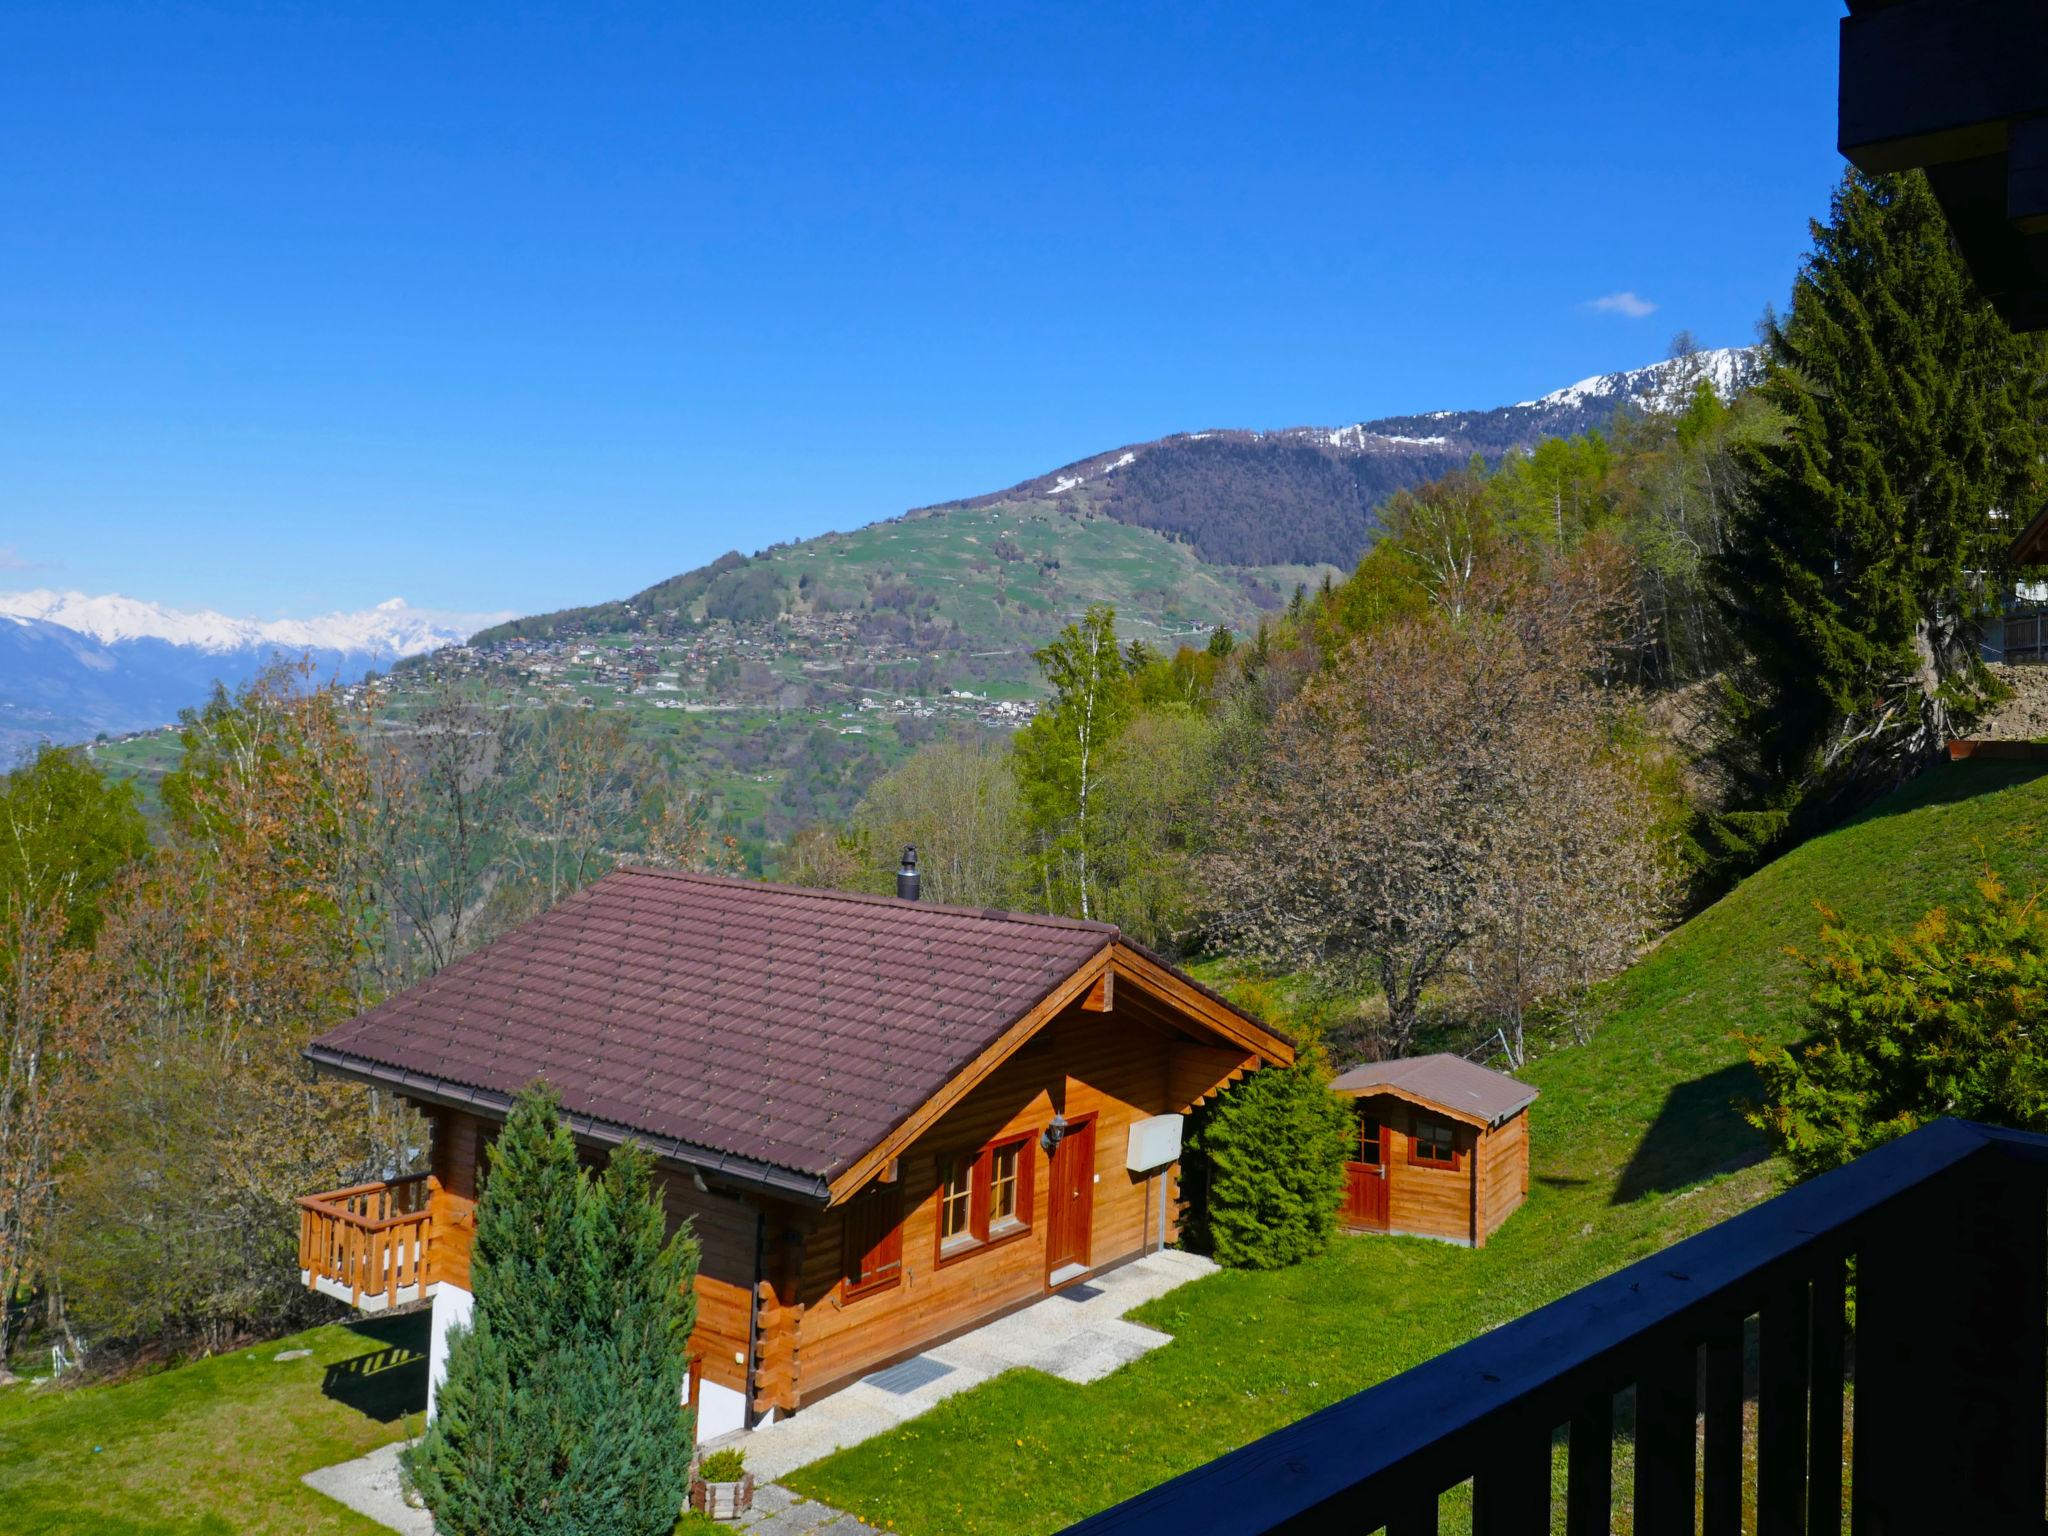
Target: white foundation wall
point(452, 1308)
point(720, 1410)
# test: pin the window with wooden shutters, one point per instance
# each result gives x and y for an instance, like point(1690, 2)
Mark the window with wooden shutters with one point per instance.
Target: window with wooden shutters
point(874, 1241)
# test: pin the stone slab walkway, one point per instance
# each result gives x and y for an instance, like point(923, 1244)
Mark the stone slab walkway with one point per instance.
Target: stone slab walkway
point(369, 1485)
point(1079, 1335)
point(778, 1512)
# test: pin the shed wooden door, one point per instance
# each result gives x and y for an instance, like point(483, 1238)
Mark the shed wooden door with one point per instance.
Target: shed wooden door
point(1366, 1199)
point(1070, 1216)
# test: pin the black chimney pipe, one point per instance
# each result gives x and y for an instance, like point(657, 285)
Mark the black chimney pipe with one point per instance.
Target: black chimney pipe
point(906, 876)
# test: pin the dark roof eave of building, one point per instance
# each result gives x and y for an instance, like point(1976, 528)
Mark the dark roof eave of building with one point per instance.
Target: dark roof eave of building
point(768, 1178)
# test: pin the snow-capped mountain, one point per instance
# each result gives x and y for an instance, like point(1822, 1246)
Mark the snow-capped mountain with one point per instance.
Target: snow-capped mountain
point(1662, 386)
point(386, 632)
point(74, 665)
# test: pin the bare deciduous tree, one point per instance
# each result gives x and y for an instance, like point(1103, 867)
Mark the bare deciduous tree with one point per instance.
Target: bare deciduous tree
point(1436, 788)
point(441, 794)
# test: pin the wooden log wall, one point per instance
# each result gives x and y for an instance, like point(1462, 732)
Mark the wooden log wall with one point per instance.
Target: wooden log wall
point(725, 1226)
point(1115, 1066)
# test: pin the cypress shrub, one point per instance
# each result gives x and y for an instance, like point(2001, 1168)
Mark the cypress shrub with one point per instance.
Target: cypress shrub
point(1266, 1168)
point(561, 1410)
point(643, 1304)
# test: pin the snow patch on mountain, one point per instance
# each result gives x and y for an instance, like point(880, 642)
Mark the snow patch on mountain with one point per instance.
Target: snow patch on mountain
point(388, 631)
point(1661, 386)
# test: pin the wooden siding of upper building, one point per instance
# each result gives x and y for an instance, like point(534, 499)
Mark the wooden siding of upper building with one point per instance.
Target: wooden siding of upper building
point(1467, 1203)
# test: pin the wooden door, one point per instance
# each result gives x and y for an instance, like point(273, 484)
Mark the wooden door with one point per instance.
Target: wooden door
point(1070, 1214)
point(1365, 1202)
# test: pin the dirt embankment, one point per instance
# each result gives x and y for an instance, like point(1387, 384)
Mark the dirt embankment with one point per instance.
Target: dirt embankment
point(2024, 716)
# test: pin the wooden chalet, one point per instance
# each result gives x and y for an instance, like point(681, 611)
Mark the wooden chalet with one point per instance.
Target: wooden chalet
point(889, 1121)
point(1439, 1147)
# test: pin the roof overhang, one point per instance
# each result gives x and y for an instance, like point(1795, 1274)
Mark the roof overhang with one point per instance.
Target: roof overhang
point(1958, 88)
point(764, 1178)
point(1204, 1011)
point(1408, 1095)
point(2031, 547)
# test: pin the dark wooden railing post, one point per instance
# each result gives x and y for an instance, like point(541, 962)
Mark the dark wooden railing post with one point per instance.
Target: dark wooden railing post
point(1952, 1356)
point(1589, 1468)
point(1828, 1332)
point(1511, 1489)
point(1721, 1490)
point(1666, 1415)
point(1781, 1412)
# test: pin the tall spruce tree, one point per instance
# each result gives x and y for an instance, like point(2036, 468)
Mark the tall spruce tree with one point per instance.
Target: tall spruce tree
point(1858, 575)
point(560, 1412)
point(643, 1304)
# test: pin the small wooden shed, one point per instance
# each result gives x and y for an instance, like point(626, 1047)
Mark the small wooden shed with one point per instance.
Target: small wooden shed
point(1439, 1147)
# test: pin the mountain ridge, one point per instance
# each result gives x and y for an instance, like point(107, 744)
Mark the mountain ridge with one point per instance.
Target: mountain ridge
point(1246, 501)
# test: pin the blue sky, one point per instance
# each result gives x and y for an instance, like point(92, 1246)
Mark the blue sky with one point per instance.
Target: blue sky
point(515, 306)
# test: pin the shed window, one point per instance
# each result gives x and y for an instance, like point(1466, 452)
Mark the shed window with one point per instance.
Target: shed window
point(985, 1196)
point(874, 1241)
point(1434, 1143)
point(1366, 1142)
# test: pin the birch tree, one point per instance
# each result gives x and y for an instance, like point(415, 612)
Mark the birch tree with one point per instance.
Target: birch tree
point(1063, 755)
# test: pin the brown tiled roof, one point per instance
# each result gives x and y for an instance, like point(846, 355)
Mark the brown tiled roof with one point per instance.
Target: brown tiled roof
point(1449, 1082)
point(778, 1028)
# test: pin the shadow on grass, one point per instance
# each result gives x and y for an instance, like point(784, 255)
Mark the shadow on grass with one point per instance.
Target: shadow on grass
point(1950, 783)
point(1698, 1132)
point(390, 1381)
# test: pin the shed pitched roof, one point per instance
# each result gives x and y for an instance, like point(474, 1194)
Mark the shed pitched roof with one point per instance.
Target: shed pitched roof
point(786, 1028)
point(1451, 1083)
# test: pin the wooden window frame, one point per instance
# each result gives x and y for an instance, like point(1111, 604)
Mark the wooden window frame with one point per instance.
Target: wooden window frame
point(1415, 1158)
point(888, 1274)
point(1379, 1140)
point(980, 1236)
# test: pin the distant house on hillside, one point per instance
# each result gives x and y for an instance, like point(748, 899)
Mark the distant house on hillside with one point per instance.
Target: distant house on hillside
point(1439, 1147)
point(889, 1121)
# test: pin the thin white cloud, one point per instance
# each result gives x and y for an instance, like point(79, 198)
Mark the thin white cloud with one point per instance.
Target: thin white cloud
point(12, 559)
point(1627, 302)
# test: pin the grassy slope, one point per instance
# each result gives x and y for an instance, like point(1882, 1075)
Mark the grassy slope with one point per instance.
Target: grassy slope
point(213, 1448)
point(1636, 1144)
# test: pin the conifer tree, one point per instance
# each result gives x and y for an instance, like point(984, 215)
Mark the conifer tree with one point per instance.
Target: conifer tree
point(561, 1411)
point(1857, 578)
point(642, 1302)
point(1267, 1158)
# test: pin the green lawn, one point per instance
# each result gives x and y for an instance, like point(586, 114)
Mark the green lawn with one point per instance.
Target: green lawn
point(213, 1448)
point(1636, 1144)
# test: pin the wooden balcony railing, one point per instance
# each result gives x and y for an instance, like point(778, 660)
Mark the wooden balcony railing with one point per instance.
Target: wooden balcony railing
point(369, 1239)
point(1941, 1237)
